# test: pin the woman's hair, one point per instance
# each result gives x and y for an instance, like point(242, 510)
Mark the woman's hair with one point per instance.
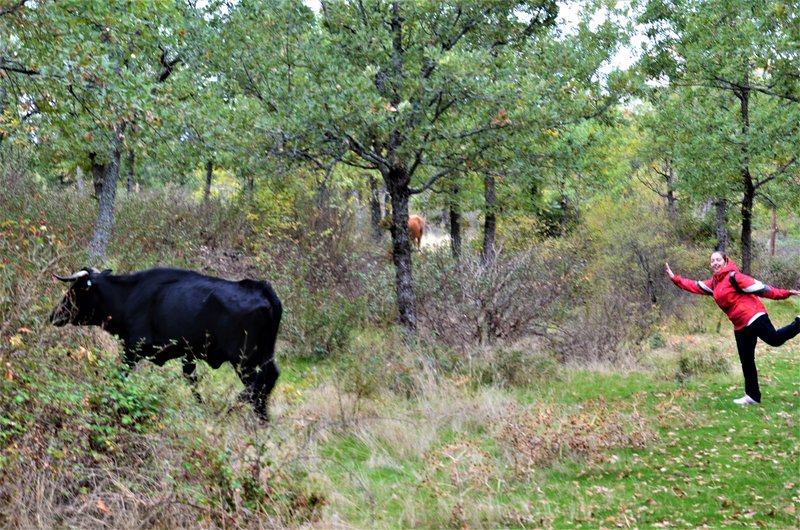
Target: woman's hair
point(721, 253)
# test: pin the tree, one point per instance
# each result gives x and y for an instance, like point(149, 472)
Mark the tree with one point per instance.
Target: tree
point(92, 69)
point(417, 92)
point(427, 90)
point(733, 66)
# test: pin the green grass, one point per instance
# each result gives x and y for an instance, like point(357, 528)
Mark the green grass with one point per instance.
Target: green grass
point(642, 448)
point(707, 461)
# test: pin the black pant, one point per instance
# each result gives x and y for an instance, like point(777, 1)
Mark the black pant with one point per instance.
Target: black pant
point(746, 339)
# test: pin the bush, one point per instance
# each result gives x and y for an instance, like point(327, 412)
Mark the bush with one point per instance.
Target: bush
point(782, 272)
point(624, 290)
point(377, 363)
point(520, 365)
point(38, 236)
point(707, 361)
point(329, 290)
point(104, 447)
point(463, 303)
point(169, 228)
point(321, 325)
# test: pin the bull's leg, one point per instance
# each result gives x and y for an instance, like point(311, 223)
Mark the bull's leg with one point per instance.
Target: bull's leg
point(264, 384)
point(248, 377)
point(189, 373)
point(257, 387)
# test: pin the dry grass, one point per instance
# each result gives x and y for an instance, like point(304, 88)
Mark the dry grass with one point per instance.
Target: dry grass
point(539, 435)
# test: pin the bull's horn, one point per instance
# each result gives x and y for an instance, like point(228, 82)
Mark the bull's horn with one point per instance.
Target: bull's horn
point(79, 274)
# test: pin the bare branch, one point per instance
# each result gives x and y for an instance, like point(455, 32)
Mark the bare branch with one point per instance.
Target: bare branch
point(777, 173)
point(9, 67)
point(431, 181)
point(167, 65)
point(12, 8)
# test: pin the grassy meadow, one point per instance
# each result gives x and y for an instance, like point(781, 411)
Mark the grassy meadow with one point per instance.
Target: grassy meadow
point(645, 447)
point(370, 430)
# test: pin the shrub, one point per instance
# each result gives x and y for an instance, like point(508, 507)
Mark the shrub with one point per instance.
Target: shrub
point(695, 363)
point(623, 290)
point(463, 302)
point(34, 243)
point(522, 365)
point(540, 436)
point(375, 364)
point(105, 447)
point(169, 228)
point(328, 292)
point(321, 325)
point(242, 486)
point(780, 271)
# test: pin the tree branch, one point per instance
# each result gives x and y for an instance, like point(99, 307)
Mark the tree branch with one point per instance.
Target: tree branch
point(8, 67)
point(431, 181)
point(12, 8)
point(167, 65)
point(778, 172)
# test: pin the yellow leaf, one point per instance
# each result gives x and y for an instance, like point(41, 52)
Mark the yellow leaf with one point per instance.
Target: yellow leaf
point(102, 507)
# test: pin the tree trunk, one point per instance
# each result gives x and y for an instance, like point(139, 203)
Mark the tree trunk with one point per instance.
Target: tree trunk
point(397, 183)
point(721, 224)
point(773, 233)
point(375, 209)
point(747, 220)
point(670, 178)
point(455, 224)
point(490, 221)
point(79, 178)
point(131, 181)
point(108, 186)
point(98, 174)
point(209, 176)
point(747, 184)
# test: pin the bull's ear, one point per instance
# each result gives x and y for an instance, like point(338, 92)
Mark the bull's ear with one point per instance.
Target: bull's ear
point(106, 272)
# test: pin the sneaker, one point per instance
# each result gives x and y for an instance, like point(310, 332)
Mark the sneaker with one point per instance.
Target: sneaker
point(746, 400)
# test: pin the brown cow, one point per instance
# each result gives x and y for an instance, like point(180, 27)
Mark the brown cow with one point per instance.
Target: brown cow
point(416, 227)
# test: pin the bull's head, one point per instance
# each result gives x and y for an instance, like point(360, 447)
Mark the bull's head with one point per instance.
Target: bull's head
point(78, 305)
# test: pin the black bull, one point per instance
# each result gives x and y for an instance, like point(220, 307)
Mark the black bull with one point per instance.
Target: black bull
point(163, 314)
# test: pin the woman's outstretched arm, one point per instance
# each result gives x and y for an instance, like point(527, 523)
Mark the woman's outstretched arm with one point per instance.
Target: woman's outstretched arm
point(693, 286)
point(746, 284)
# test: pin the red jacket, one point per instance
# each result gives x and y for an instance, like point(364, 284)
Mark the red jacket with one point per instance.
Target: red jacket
point(735, 293)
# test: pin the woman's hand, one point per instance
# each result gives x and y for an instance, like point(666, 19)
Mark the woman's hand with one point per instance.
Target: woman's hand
point(672, 275)
point(795, 292)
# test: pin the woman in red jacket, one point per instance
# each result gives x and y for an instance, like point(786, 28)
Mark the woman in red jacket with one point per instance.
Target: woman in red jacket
point(737, 295)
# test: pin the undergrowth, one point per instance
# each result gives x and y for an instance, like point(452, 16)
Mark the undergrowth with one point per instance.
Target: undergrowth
point(477, 423)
